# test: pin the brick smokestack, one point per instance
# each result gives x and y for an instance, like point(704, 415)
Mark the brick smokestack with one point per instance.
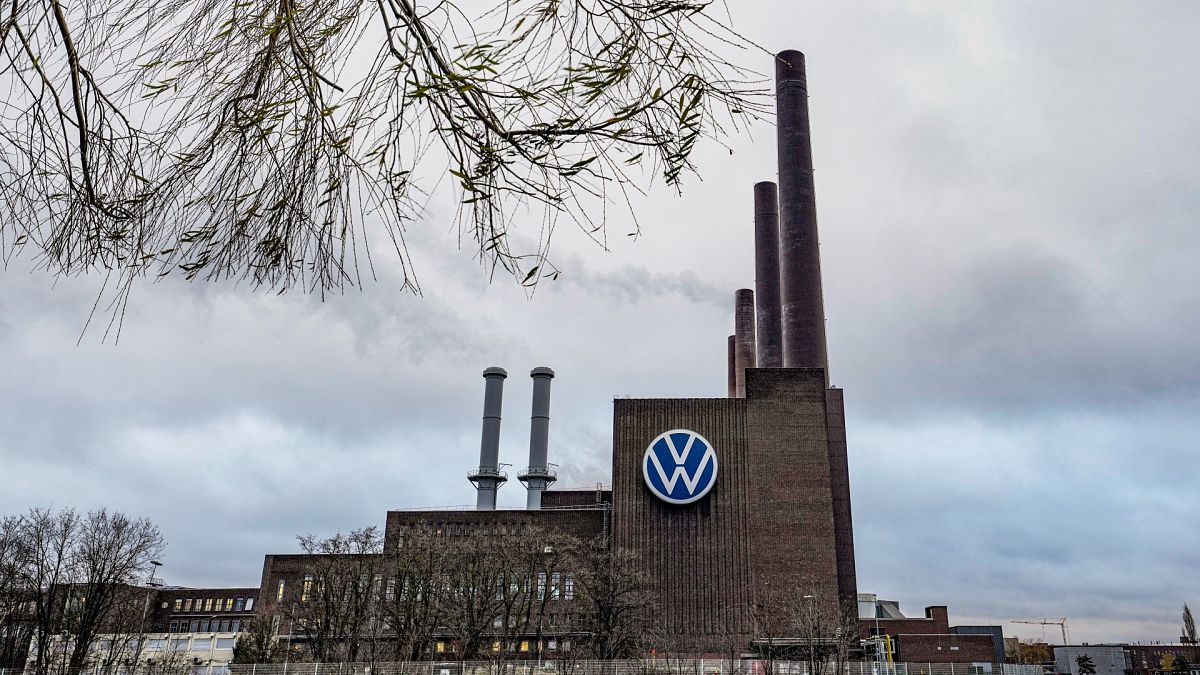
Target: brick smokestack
point(732, 358)
point(743, 337)
point(803, 308)
point(769, 332)
point(488, 478)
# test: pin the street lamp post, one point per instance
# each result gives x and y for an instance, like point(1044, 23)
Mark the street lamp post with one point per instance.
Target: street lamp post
point(137, 655)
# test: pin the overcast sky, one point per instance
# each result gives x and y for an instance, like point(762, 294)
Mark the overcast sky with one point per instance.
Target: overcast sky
point(1009, 197)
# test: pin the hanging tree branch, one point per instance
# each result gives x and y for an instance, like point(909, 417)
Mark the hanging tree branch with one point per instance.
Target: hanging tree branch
point(240, 139)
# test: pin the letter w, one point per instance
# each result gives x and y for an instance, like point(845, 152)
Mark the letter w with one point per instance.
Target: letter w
point(680, 470)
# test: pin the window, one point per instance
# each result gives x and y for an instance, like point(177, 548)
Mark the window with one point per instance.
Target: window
point(495, 645)
point(306, 590)
point(174, 627)
point(224, 625)
point(524, 645)
point(195, 626)
point(228, 604)
point(390, 590)
point(178, 604)
point(225, 643)
point(187, 605)
point(566, 645)
point(203, 626)
point(179, 645)
point(240, 605)
point(555, 585)
point(156, 644)
point(552, 644)
point(249, 604)
point(200, 644)
point(279, 591)
point(236, 626)
point(208, 604)
point(541, 586)
point(439, 647)
point(569, 588)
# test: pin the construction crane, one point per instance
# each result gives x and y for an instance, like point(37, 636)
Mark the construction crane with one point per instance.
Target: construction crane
point(1061, 623)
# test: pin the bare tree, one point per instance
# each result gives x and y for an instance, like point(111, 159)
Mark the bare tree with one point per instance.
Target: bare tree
point(48, 573)
point(16, 618)
point(615, 605)
point(339, 609)
point(111, 552)
point(259, 643)
point(1189, 625)
point(474, 595)
point(826, 629)
point(413, 593)
point(75, 574)
point(251, 140)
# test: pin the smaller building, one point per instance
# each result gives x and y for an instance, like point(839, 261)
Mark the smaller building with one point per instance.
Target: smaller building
point(202, 610)
point(927, 639)
point(1108, 659)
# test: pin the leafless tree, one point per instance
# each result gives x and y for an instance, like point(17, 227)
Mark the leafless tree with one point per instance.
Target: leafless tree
point(413, 593)
point(826, 629)
point(259, 642)
point(533, 564)
point(74, 573)
point(474, 594)
point(615, 604)
point(111, 552)
point(339, 609)
point(16, 616)
point(252, 139)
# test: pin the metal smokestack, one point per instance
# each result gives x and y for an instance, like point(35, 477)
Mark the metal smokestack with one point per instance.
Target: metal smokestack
point(769, 331)
point(743, 331)
point(732, 359)
point(488, 478)
point(803, 310)
point(538, 476)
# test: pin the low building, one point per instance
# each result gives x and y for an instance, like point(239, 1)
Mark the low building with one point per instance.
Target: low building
point(927, 639)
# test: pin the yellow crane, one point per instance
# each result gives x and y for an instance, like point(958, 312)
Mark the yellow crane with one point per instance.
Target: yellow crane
point(1061, 623)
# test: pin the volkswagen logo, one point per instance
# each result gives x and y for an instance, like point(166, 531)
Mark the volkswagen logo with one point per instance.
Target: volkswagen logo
point(680, 466)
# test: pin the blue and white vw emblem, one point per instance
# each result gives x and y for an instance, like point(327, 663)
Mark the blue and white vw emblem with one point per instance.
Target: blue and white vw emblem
point(680, 466)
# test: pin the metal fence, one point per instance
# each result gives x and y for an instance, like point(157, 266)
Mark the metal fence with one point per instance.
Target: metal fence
point(659, 666)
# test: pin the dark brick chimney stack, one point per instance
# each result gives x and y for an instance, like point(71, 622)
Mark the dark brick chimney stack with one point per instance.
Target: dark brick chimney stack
point(803, 308)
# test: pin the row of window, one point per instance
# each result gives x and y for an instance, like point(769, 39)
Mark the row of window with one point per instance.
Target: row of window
point(206, 626)
point(214, 604)
point(175, 644)
point(561, 587)
point(199, 644)
point(441, 646)
point(458, 529)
